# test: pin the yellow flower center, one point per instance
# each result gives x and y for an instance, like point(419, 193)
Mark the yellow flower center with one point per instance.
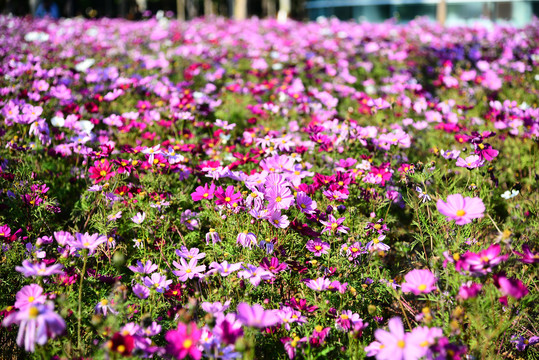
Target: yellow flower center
point(227, 199)
point(424, 343)
point(188, 271)
point(334, 226)
point(104, 302)
point(31, 299)
point(344, 317)
point(318, 247)
point(278, 199)
point(121, 348)
point(377, 226)
point(422, 287)
point(187, 343)
point(401, 344)
point(461, 212)
point(33, 312)
point(103, 173)
point(205, 195)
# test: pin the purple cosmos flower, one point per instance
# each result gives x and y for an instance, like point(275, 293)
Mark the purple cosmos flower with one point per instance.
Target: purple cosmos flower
point(377, 244)
point(37, 323)
point(319, 284)
point(521, 343)
point(193, 253)
point(212, 237)
point(256, 316)
point(419, 281)
point(396, 344)
point(103, 307)
point(29, 295)
point(278, 220)
point(39, 269)
point(141, 291)
point(86, 241)
point(143, 268)
point(254, 274)
point(305, 203)
point(215, 308)
point(188, 270)
point(527, 256)
point(246, 239)
point(461, 209)
point(289, 316)
point(317, 247)
point(334, 224)
point(224, 269)
point(157, 282)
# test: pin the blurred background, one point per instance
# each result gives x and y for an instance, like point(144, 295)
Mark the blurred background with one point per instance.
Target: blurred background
point(450, 12)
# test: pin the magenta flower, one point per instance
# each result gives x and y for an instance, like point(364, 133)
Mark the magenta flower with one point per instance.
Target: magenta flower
point(481, 263)
point(317, 247)
point(183, 341)
point(228, 197)
point(347, 319)
point(141, 291)
point(396, 344)
point(39, 269)
point(256, 316)
point(334, 224)
point(188, 270)
point(29, 295)
point(202, 193)
point(469, 290)
point(510, 286)
point(462, 210)
point(527, 256)
point(37, 323)
point(273, 265)
point(419, 282)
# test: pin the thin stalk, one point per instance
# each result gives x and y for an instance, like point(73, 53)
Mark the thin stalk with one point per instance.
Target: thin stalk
point(79, 340)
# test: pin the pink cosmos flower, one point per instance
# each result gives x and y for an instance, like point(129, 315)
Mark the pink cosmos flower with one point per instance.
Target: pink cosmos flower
point(334, 224)
point(305, 203)
point(481, 263)
point(254, 274)
point(469, 290)
point(202, 193)
point(188, 270)
point(317, 247)
point(319, 284)
point(224, 269)
point(527, 256)
point(102, 170)
point(510, 286)
point(29, 295)
point(419, 281)
point(396, 344)
point(39, 269)
point(461, 209)
point(279, 198)
point(87, 241)
point(183, 341)
point(227, 197)
point(471, 162)
point(278, 220)
point(256, 316)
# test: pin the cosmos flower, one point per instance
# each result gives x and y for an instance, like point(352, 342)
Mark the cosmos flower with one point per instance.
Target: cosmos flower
point(29, 295)
point(183, 341)
point(396, 344)
point(461, 209)
point(37, 323)
point(419, 281)
point(317, 247)
point(188, 270)
point(334, 225)
point(39, 269)
point(202, 193)
point(256, 316)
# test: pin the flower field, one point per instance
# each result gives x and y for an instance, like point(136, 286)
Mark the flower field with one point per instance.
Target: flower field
point(263, 190)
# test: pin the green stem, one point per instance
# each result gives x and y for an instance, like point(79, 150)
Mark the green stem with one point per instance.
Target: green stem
point(79, 342)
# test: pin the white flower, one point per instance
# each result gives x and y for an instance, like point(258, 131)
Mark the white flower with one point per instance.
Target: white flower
point(139, 218)
point(510, 194)
point(58, 121)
